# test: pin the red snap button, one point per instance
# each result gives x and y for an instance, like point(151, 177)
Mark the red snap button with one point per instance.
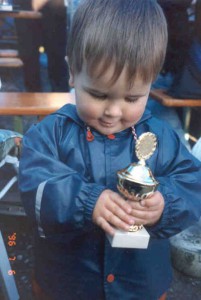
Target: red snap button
point(110, 278)
point(111, 136)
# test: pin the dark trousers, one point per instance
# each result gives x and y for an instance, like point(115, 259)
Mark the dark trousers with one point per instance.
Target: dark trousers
point(50, 32)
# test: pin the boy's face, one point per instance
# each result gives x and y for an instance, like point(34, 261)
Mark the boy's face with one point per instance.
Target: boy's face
point(109, 108)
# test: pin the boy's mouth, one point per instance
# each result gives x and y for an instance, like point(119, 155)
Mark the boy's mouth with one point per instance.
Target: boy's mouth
point(107, 124)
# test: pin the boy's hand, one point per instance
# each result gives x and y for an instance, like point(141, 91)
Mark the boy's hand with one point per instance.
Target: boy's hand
point(112, 209)
point(148, 211)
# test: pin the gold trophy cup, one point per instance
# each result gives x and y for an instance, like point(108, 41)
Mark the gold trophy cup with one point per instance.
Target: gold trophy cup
point(136, 180)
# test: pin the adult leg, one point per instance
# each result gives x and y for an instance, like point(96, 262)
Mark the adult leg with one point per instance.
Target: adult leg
point(28, 33)
point(55, 42)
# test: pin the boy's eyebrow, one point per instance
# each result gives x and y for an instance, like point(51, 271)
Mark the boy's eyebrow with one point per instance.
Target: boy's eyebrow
point(91, 90)
point(88, 89)
point(136, 95)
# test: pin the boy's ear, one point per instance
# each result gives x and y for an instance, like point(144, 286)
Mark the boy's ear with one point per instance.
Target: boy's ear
point(71, 73)
point(71, 78)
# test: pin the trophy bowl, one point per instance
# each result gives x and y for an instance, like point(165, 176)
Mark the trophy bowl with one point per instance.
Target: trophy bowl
point(136, 180)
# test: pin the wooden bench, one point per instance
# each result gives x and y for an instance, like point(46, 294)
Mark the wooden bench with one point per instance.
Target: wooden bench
point(166, 100)
point(38, 104)
point(10, 62)
point(9, 53)
point(9, 59)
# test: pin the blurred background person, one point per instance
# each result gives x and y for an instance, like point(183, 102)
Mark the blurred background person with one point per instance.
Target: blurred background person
point(185, 62)
point(179, 37)
point(50, 32)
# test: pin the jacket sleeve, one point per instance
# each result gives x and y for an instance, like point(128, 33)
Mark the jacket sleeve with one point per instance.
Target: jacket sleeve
point(55, 196)
point(179, 175)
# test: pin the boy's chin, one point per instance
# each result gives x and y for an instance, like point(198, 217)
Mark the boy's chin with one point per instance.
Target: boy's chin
point(109, 131)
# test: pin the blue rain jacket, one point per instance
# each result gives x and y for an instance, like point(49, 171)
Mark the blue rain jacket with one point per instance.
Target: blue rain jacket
point(61, 177)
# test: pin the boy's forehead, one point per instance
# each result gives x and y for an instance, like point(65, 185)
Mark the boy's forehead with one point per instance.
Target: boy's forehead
point(103, 79)
point(101, 71)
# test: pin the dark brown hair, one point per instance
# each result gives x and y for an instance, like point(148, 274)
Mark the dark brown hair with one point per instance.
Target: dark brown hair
point(131, 33)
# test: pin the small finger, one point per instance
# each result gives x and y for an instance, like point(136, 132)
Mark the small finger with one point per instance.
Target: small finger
point(123, 204)
point(118, 223)
point(120, 213)
point(136, 205)
point(146, 218)
point(102, 223)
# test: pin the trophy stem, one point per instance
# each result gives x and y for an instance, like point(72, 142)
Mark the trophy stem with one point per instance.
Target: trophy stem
point(134, 228)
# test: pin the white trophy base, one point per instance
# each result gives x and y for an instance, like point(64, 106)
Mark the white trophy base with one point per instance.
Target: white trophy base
point(123, 239)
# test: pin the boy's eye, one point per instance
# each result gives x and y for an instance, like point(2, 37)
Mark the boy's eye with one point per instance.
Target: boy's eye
point(98, 96)
point(132, 99)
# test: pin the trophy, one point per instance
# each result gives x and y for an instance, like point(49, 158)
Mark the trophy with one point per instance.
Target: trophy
point(136, 180)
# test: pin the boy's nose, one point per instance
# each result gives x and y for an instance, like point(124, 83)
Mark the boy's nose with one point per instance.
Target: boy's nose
point(113, 109)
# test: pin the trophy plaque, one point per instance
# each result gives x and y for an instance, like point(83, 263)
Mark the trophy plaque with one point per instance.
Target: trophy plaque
point(136, 180)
